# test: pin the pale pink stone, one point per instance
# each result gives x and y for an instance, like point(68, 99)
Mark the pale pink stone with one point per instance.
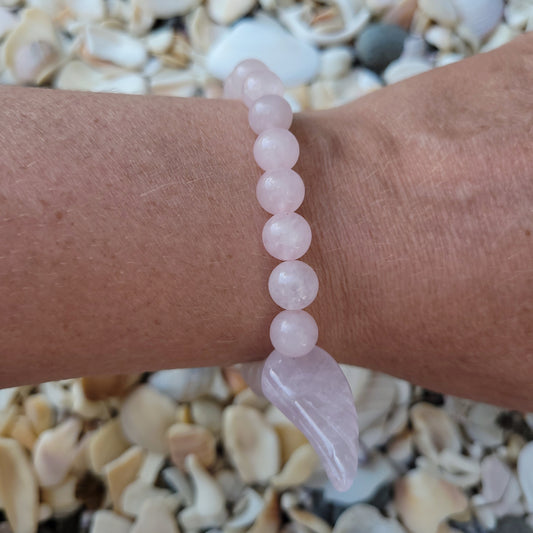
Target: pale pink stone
point(293, 285)
point(276, 148)
point(270, 111)
point(280, 191)
point(313, 393)
point(259, 83)
point(287, 236)
point(234, 82)
point(293, 333)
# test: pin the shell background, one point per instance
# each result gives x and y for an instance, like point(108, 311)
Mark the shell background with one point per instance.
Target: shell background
point(195, 449)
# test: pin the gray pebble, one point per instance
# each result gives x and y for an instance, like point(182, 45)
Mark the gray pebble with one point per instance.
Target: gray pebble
point(512, 524)
point(380, 44)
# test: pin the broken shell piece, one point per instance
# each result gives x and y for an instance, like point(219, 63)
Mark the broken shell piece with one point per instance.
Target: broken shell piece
point(302, 463)
point(208, 414)
point(304, 518)
point(251, 443)
point(525, 469)
point(39, 412)
point(501, 36)
point(107, 444)
point(19, 495)
point(401, 13)
point(32, 51)
point(8, 21)
point(227, 11)
point(160, 40)
point(162, 9)
point(268, 520)
point(121, 472)
point(364, 518)
point(146, 416)
point(179, 483)
point(109, 522)
point(202, 31)
point(103, 44)
point(98, 388)
point(441, 11)
point(62, 498)
point(231, 484)
point(151, 466)
point(209, 508)
point(405, 67)
point(84, 11)
point(245, 511)
point(249, 398)
point(424, 500)
point(155, 515)
point(138, 492)
point(54, 452)
point(58, 393)
point(22, 431)
point(335, 62)
point(8, 416)
point(481, 425)
point(234, 379)
point(184, 439)
point(84, 407)
point(479, 16)
point(291, 438)
point(518, 14)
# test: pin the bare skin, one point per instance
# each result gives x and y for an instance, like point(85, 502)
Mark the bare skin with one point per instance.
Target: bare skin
point(131, 236)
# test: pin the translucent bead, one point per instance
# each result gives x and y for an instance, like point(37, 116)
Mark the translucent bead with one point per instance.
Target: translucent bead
point(280, 191)
point(293, 285)
point(233, 83)
point(276, 148)
point(293, 333)
point(259, 83)
point(270, 111)
point(287, 236)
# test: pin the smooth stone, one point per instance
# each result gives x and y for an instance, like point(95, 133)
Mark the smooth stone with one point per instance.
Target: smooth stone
point(184, 439)
point(379, 45)
point(293, 333)
point(270, 111)
point(155, 516)
point(293, 285)
point(260, 83)
point(280, 191)
point(146, 416)
point(294, 61)
point(314, 394)
point(107, 444)
point(287, 236)
point(275, 149)
point(335, 62)
point(104, 521)
point(479, 16)
point(208, 414)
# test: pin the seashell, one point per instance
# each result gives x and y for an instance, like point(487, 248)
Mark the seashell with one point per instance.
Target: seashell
point(202, 31)
point(160, 40)
point(177, 480)
point(54, 452)
point(19, 496)
point(458, 469)
point(268, 520)
point(447, 59)
point(58, 393)
point(84, 11)
point(518, 14)
point(294, 61)
point(8, 21)
point(155, 515)
point(45, 512)
point(441, 38)
point(9, 396)
point(401, 13)
point(298, 469)
point(109, 522)
point(209, 508)
point(335, 62)
point(186, 384)
point(400, 449)
point(228, 11)
point(353, 19)
point(525, 469)
point(162, 9)
point(231, 484)
point(249, 398)
point(85, 408)
point(378, 6)
point(98, 388)
point(251, 444)
point(300, 516)
point(480, 17)
point(32, 51)
point(424, 500)
point(481, 425)
point(434, 431)
point(245, 511)
point(363, 518)
point(8, 416)
point(290, 437)
point(184, 439)
point(137, 493)
point(107, 444)
point(183, 414)
point(404, 68)
point(379, 45)
point(81, 462)
point(151, 466)
point(145, 417)
point(101, 44)
point(441, 11)
point(121, 472)
point(62, 498)
point(208, 414)
point(234, 378)
point(39, 412)
point(502, 35)
point(22, 431)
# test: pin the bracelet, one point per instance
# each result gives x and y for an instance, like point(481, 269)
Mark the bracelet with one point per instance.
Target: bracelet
point(302, 380)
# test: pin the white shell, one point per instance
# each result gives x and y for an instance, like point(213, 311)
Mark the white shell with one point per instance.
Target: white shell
point(179, 483)
point(441, 11)
point(107, 443)
point(479, 16)
point(162, 9)
point(184, 439)
point(501, 36)
point(104, 521)
point(202, 31)
point(364, 518)
point(525, 473)
point(404, 68)
point(294, 61)
point(245, 511)
point(231, 484)
point(518, 14)
point(62, 498)
point(138, 492)
point(481, 425)
point(84, 11)
point(155, 515)
point(183, 83)
point(8, 21)
point(335, 62)
point(228, 11)
point(84, 407)
point(298, 469)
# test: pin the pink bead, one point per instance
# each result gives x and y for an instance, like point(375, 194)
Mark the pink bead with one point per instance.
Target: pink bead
point(293, 285)
point(280, 191)
point(270, 111)
point(287, 236)
point(276, 148)
point(234, 82)
point(293, 333)
point(258, 84)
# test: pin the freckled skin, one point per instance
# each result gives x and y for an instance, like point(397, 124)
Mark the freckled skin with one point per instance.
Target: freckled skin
point(131, 237)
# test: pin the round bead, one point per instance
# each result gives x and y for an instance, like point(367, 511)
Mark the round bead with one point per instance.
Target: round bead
point(280, 191)
point(259, 83)
point(276, 148)
point(287, 236)
point(270, 111)
point(293, 333)
point(293, 285)
point(233, 83)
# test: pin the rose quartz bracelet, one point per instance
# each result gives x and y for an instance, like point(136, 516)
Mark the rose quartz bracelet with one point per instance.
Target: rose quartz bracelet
point(298, 377)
